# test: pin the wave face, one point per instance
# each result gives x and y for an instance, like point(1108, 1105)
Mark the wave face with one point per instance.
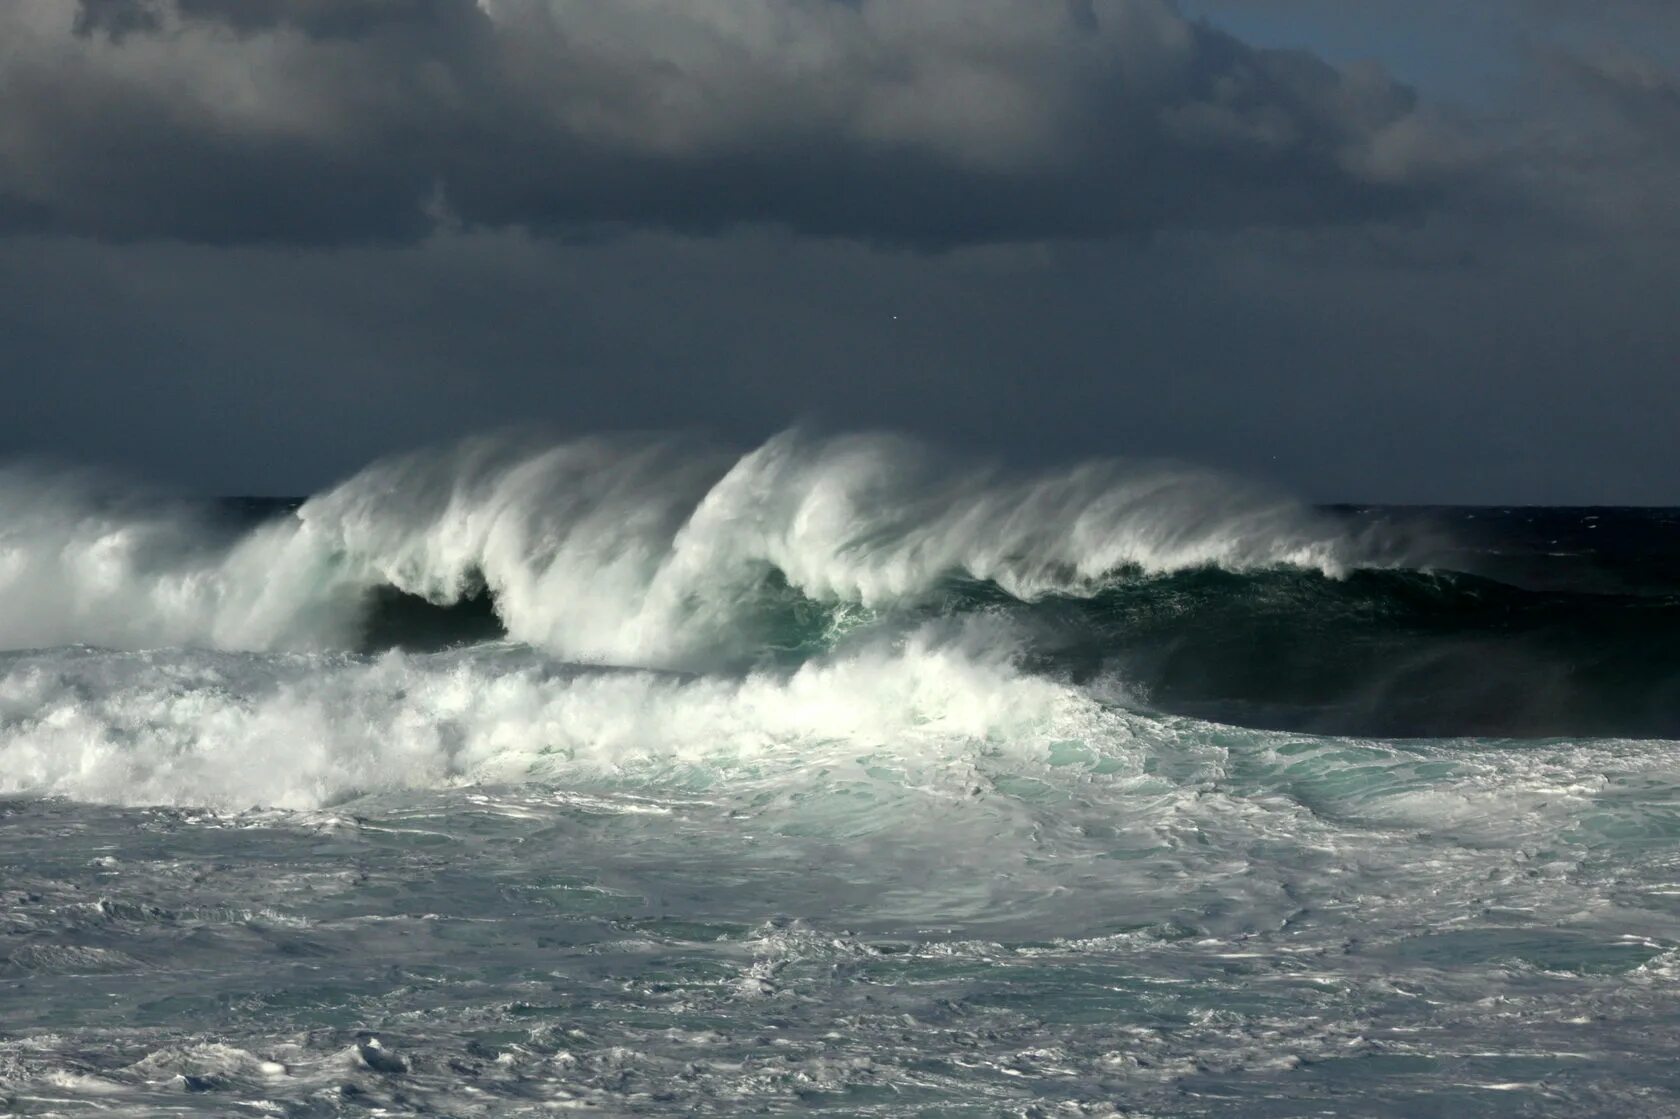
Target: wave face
point(1393, 653)
point(837, 777)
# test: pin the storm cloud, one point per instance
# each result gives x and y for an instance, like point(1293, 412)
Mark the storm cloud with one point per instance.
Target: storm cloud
point(1373, 252)
point(922, 122)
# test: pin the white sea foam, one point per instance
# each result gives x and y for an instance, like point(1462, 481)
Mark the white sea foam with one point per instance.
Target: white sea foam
point(945, 709)
point(83, 562)
point(303, 730)
point(639, 552)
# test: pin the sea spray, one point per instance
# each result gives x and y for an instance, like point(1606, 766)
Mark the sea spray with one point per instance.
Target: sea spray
point(629, 551)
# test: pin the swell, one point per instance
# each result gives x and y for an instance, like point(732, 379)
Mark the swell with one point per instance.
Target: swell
point(1380, 653)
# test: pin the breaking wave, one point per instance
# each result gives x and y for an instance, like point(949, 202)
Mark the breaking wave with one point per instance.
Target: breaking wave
point(633, 552)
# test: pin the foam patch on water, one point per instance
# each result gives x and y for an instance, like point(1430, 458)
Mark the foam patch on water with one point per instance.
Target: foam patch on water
point(301, 731)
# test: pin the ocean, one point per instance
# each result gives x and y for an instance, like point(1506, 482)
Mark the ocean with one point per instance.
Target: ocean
point(839, 777)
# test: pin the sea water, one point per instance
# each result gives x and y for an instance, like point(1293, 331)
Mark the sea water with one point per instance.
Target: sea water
point(835, 778)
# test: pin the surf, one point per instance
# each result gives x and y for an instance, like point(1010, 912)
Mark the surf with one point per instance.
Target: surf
point(637, 551)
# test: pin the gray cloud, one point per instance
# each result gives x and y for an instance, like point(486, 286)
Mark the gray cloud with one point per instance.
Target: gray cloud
point(1641, 90)
point(931, 122)
point(1596, 143)
point(1538, 373)
point(115, 18)
point(254, 243)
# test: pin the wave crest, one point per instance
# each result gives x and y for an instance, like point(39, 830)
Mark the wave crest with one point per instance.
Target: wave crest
point(623, 550)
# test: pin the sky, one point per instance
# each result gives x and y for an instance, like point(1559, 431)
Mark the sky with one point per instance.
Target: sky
point(1418, 252)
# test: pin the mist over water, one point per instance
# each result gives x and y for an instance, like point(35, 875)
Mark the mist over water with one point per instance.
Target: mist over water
point(838, 776)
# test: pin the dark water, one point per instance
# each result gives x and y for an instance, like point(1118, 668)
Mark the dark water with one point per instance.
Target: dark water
point(1526, 623)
